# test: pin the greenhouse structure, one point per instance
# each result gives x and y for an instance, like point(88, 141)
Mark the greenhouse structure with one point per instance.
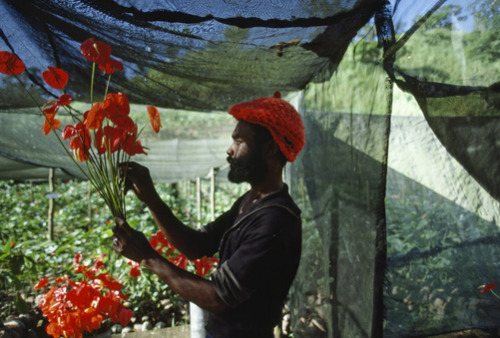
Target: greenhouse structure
point(399, 180)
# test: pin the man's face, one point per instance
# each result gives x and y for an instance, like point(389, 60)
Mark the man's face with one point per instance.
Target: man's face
point(247, 164)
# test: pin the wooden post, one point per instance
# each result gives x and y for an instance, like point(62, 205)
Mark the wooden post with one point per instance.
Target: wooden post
point(212, 193)
point(198, 199)
point(50, 221)
point(89, 206)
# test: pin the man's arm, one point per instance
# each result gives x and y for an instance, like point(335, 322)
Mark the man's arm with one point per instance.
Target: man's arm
point(134, 245)
point(187, 240)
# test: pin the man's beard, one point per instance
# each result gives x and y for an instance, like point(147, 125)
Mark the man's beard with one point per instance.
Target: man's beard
point(251, 169)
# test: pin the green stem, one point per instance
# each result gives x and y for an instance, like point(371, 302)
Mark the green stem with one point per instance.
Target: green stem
point(107, 87)
point(103, 169)
point(29, 94)
point(92, 85)
point(57, 135)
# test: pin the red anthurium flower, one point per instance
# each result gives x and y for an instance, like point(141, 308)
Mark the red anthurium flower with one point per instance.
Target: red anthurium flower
point(110, 66)
point(11, 64)
point(109, 138)
point(69, 131)
point(98, 260)
point(154, 242)
point(132, 146)
point(136, 269)
point(122, 296)
point(125, 315)
point(61, 279)
point(159, 238)
point(77, 259)
point(55, 77)
point(124, 122)
point(90, 273)
point(43, 282)
point(488, 287)
point(160, 235)
point(95, 51)
point(85, 139)
point(154, 118)
point(83, 293)
point(99, 141)
point(80, 268)
point(109, 282)
point(117, 110)
point(99, 265)
point(94, 117)
point(80, 148)
point(55, 330)
point(116, 104)
point(204, 265)
point(80, 140)
point(50, 123)
point(52, 109)
point(64, 99)
point(109, 303)
point(135, 272)
point(181, 261)
point(72, 130)
point(90, 319)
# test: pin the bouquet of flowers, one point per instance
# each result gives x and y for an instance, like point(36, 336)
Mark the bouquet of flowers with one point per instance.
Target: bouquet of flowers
point(74, 307)
point(105, 136)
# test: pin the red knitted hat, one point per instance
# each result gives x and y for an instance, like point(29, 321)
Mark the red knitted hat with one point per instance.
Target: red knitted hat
point(279, 117)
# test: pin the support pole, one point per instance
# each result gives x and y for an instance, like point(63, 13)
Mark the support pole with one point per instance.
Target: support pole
point(50, 220)
point(385, 32)
point(89, 205)
point(212, 193)
point(198, 200)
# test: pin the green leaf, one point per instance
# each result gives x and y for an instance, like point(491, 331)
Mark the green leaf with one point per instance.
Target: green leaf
point(61, 249)
point(6, 248)
point(21, 304)
point(16, 263)
point(133, 222)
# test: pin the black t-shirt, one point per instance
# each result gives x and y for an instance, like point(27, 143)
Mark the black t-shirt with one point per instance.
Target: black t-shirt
point(259, 253)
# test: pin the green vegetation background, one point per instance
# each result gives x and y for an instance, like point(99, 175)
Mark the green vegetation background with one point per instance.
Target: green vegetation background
point(83, 225)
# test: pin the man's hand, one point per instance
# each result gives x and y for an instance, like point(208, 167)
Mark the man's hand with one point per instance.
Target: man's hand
point(138, 179)
point(130, 243)
point(134, 245)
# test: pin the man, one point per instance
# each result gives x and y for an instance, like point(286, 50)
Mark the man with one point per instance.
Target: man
point(258, 239)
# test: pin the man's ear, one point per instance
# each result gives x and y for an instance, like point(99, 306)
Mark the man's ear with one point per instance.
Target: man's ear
point(270, 148)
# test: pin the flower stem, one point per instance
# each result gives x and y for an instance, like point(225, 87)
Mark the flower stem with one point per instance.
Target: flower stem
point(92, 85)
point(57, 135)
point(494, 294)
point(107, 87)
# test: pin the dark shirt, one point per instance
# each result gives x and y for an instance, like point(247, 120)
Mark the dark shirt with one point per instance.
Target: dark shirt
point(259, 252)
